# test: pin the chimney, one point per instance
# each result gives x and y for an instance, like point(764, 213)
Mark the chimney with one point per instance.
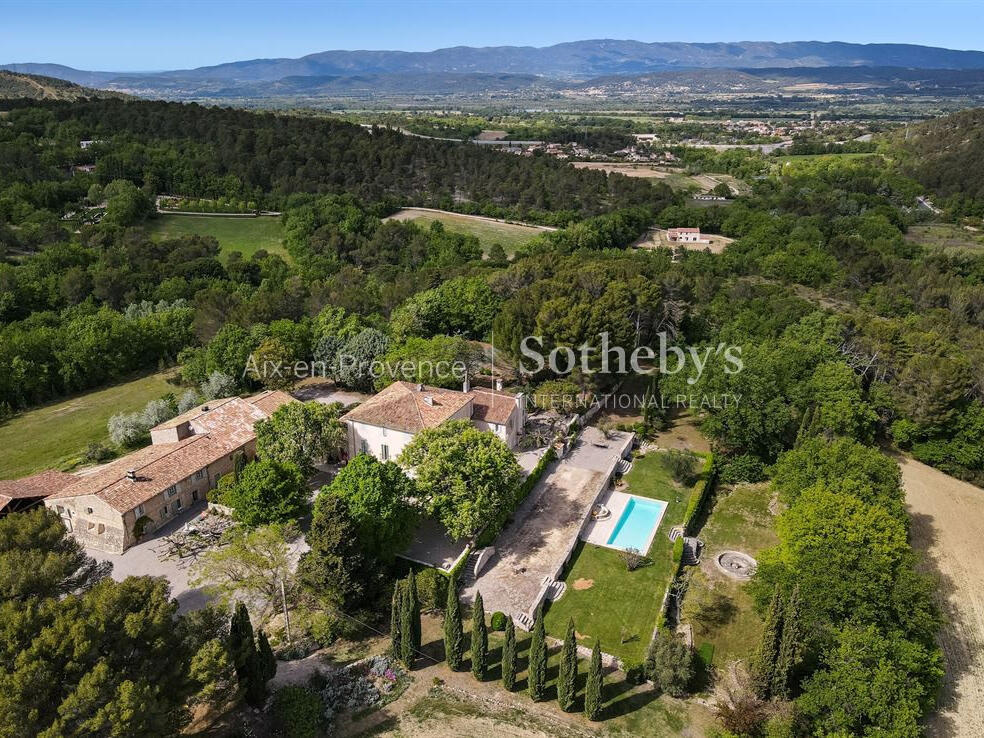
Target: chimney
point(204, 408)
point(498, 385)
point(420, 388)
point(466, 385)
point(428, 400)
point(131, 474)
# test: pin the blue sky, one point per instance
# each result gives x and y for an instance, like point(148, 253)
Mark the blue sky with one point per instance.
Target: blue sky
point(170, 34)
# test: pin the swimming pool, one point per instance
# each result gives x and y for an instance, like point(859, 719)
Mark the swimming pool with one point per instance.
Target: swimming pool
point(637, 525)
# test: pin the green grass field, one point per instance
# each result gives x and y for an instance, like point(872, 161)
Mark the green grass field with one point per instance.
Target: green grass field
point(247, 235)
point(509, 235)
point(720, 609)
point(621, 607)
point(810, 157)
point(53, 436)
point(947, 236)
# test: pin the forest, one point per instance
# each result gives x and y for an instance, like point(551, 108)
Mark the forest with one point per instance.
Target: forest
point(852, 335)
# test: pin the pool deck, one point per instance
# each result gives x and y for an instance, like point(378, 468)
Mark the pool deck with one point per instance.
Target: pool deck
point(533, 548)
point(597, 532)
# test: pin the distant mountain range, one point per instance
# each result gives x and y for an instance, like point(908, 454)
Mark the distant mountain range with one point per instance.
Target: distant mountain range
point(469, 69)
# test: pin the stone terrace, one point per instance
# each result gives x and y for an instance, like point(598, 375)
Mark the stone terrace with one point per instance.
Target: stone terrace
point(545, 529)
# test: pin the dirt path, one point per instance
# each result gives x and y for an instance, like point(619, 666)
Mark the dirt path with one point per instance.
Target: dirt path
point(948, 525)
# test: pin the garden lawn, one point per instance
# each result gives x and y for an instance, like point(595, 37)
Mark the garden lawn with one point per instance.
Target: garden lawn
point(247, 235)
point(55, 435)
point(621, 607)
point(719, 608)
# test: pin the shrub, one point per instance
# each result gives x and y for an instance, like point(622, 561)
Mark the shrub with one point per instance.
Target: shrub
point(678, 550)
point(669, 663)
point(681, 465)
point(96, 453)
point(432, 588)
point(498, 621)
point(633, 559)
point(299, 711)
point(744, 468)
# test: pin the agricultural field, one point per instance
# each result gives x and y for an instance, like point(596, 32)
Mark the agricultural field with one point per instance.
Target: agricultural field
point(487, 230)
point(54, 436)
point(608, 601)
point(947, 236)
point(247, 235)
point(675, 178)
point(717, 607)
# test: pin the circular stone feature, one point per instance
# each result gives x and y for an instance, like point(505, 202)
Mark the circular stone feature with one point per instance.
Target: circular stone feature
point(736, 564)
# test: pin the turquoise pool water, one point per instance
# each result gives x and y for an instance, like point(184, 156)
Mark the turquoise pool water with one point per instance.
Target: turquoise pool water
point(636, 525)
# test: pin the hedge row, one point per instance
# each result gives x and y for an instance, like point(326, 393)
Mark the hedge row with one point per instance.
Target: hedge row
point(702, 492)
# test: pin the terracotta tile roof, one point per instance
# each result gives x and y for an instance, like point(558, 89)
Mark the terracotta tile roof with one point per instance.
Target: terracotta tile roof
point(270, 401)
point(196, 413)
point(157, 467)
point(409, 407)
point(38, 485)
point(492, 406)
point(230, 414)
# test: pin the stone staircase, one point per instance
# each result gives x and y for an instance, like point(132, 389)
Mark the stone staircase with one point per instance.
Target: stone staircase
point(468, 570)
point(692, 548)
point(623, 466)
point(524, 621)
point(555, 589)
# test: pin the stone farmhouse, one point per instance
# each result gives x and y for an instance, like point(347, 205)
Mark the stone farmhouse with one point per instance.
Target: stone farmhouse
point(112, 507)
point(25, 493)
point(385, 423)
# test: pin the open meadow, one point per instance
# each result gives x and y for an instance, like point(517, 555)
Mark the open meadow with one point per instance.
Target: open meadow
point(487, 230)
point(946, 236)
point(247, 235)
point(55, 435)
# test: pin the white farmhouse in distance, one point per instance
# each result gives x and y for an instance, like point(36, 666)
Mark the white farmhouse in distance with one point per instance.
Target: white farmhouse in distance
point(385, 423)
point(685, 235)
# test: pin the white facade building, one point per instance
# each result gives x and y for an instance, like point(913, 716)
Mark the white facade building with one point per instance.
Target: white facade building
point(384, 424)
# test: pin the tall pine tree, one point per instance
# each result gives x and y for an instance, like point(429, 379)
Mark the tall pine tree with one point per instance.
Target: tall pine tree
point(790, 646)
point(479, 639)
point(537, 670)
point(509, 656)
point(454, 637)
point(592, 691)
point(567, 678)
point(396, 615)
point(764, 664)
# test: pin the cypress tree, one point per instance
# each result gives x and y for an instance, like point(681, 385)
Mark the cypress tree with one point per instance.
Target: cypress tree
point(567, 679)
point(407, 608)
point(509, 656)
point(537, 670)
point(764, 665)
point(479, 639)
point(267, 660)
point(396, 615)
point(241, 645)
point(454, 637)
point(255, 682)
point(592, 692)
point(789, 648)
point(413, 602)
